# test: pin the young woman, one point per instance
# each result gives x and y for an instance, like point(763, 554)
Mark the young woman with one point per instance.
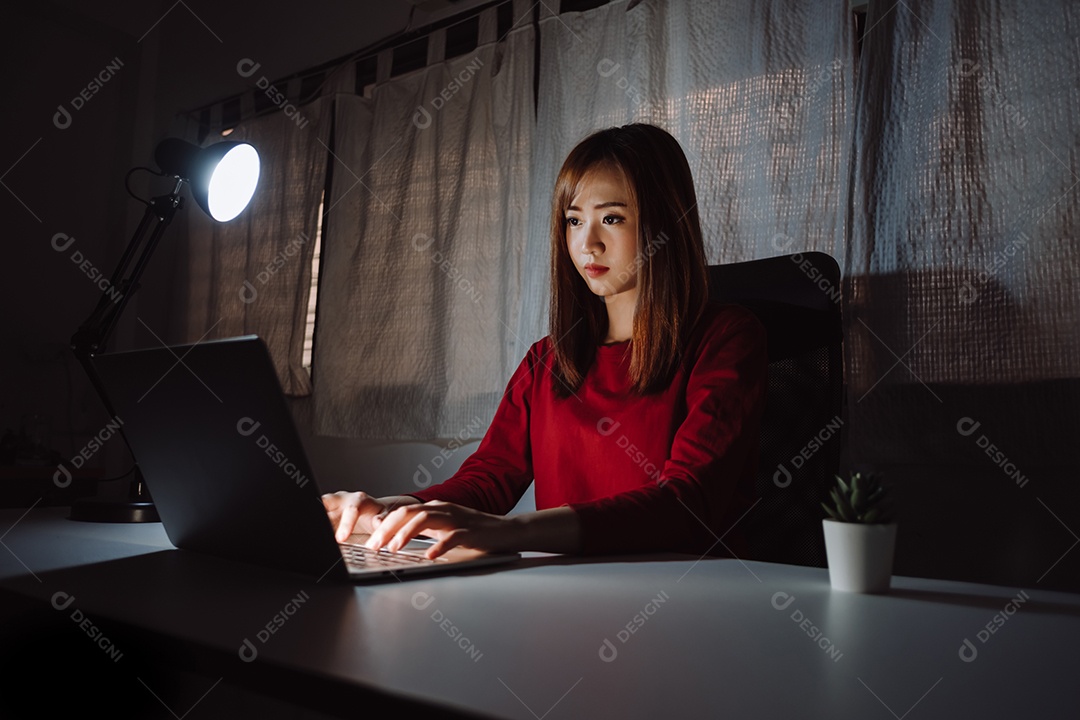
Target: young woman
point(638, 415)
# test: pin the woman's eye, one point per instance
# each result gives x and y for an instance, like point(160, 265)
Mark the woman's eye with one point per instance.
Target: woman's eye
point(612, 219)
point(572, 221)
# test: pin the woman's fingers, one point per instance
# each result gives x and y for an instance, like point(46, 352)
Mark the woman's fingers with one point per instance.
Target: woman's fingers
point(448, 541)
point(387, 527)
point(350, 512)
point(419, 521)
point(451, 526)
point(348, 509)
point(403, 524)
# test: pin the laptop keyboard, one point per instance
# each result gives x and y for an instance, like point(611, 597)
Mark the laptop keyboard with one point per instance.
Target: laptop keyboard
point(358, 556)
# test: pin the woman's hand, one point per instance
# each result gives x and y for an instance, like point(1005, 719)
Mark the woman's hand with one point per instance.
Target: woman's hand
point(449, 524)
point(354, 511)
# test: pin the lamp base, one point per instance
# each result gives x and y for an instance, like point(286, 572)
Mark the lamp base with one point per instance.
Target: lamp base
point(137, 507)
point(113, 510)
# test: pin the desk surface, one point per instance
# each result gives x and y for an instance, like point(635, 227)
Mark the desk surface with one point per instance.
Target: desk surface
point(565, 638)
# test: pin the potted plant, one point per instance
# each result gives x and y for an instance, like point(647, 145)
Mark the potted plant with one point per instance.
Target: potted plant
point(860, 534)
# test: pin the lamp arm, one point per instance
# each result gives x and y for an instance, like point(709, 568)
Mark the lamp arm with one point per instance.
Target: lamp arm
point(93, 334)
point(180, 160)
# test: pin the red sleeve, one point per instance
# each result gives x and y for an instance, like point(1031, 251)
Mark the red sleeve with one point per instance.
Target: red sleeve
point(495, 477)
point(691, 506)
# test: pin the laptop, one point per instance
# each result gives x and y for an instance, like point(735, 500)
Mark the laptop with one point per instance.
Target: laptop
point(212, 432)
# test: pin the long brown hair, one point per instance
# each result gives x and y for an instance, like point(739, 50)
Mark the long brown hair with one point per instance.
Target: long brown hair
point(672, 287)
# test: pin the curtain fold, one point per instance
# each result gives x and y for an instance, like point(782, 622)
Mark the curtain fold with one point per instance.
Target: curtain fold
point(424, 239)
point(966, 192)
point(963, 252)
point(253, 275)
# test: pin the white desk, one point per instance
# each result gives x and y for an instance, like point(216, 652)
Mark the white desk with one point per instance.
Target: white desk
point(550, 638)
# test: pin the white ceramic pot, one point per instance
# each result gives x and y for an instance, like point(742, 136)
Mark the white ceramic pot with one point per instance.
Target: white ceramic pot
point(860, 556)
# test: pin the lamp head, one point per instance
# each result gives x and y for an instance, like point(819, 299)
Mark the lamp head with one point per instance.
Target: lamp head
point(222, 177)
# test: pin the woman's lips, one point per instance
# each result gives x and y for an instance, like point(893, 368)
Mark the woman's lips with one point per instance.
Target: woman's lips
point(595, 270)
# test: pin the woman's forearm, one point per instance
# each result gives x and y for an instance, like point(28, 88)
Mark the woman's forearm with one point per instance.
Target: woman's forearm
point(556, 530)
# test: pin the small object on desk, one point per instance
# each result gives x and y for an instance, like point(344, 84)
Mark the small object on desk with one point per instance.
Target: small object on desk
point(860, 535)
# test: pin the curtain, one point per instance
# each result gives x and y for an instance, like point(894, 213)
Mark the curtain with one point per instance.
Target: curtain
point(252, 275)
point(941, 172)
point(758, 95)
point(963, 299)
point(435, 272)
point(425, 236)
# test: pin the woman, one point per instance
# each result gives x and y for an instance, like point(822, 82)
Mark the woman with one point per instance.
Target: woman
point(638, 415)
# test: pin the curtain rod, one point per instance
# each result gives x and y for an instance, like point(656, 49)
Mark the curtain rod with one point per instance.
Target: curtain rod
point(404, 37)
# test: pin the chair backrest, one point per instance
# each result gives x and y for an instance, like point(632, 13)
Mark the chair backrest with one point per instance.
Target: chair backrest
point(797, 298)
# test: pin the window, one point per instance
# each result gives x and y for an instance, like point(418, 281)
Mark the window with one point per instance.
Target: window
point(313, 294)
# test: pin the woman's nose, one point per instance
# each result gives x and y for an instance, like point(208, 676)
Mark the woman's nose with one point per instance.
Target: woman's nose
point(590, 241)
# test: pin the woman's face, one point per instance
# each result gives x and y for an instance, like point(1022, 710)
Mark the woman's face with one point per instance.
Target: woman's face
point(602, 234)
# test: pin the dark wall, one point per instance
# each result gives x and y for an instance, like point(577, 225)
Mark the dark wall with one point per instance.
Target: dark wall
point(140, 64)
point(62, 174)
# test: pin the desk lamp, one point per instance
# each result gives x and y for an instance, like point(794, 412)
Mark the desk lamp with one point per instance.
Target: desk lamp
point(222, 177)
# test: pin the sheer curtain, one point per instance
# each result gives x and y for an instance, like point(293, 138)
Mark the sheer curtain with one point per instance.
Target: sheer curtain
point(252, 275)
point(963, 251)
point(435, 270)
point(963, 300)
point(425, 236)
point(944, 181)
point(758, 94)
point(435, 264)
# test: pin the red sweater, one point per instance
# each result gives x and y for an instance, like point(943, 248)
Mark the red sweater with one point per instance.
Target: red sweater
point(671, 471)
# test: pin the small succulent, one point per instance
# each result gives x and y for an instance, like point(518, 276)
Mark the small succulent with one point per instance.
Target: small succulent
point(862, 499)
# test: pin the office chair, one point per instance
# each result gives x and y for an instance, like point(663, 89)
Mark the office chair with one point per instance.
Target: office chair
point(797, 299)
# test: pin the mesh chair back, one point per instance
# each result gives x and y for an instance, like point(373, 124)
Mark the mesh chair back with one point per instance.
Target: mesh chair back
point(797, 298)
